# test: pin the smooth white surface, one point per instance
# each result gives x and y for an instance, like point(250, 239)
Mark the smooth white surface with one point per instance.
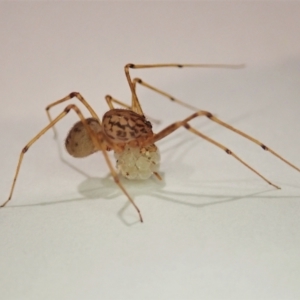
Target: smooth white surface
point(213, 229)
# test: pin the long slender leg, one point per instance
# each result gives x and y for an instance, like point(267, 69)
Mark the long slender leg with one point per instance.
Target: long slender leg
point(170, 97)
point(218, 121)
point(116, 177)
point(69, 97)
point(193, 130)
point(110, 100)
point(135, 102)
point(97, 140)
point(25, 149)
point(171, 128)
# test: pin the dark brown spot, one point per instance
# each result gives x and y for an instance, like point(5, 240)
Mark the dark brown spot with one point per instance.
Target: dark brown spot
point(139, 125)
point(25, 149)
point(76, 144)
point(209, 115)
point(148, 123)
point(131, 66)
point(171, 98)
point(73, 94)
point(138, 80)
point(67, 109)
point(116, 179)
point(187, 126)
point(119, 125)
point(110, 136)
point(180, 66)
point(228, 151)
point(143, 130)
point(121, 133)
point(264, 147)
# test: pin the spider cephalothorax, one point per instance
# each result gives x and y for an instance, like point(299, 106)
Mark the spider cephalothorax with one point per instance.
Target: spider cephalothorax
point(124, 126)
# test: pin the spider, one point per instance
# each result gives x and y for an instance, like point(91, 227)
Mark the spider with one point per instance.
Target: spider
point(129, 134)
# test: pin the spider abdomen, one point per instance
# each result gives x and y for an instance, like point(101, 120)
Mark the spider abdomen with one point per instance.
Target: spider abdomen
point(78, 142)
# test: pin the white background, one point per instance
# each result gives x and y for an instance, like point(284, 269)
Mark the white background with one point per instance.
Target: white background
point(213, 229)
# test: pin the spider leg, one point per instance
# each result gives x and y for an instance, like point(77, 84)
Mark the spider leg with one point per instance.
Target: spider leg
point(136, 107)
point(25, 149)
point(169, 129)
point(218, 121)
point(110, 100)
point(69, 97)
point(97, 140)
point(99, 144)
point(170, 97)
point(193, 130)
point(250, 138)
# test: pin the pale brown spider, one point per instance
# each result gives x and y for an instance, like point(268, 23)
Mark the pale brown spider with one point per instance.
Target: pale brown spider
point(129, 134)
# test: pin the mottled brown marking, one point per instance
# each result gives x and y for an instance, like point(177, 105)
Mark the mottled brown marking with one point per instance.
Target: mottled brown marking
point(121, 133)
point(144, 130)
point(148, 123)
point(139, 125)
point(122, 126)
